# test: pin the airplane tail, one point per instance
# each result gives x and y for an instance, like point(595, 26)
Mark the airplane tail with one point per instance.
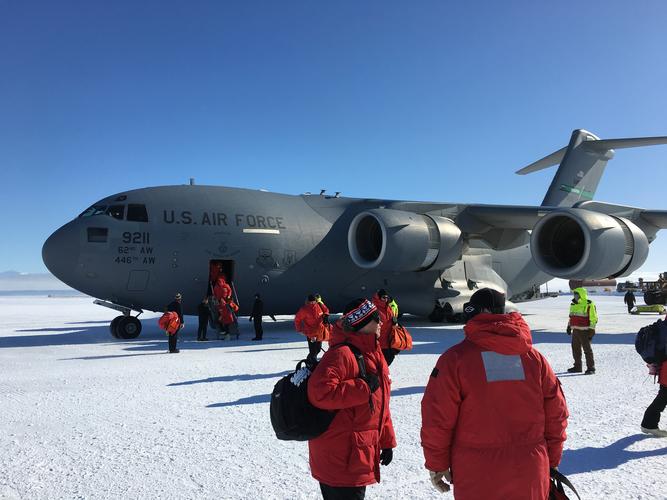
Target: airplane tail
point(582, 163)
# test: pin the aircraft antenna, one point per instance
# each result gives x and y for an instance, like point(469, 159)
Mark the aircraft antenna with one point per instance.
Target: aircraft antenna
point(192, 181)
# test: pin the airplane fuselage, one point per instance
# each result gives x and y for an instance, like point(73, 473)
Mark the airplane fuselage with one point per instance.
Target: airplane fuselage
point(138, 248)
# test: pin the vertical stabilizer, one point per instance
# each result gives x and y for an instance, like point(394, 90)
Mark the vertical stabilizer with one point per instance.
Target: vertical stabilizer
point(582, 164)
point(579, 172)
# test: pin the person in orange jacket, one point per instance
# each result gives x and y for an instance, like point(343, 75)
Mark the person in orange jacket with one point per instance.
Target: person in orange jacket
point(387, 321)
point(493, 413)
point(347, 457)
point(309, 321)
point(228, 319)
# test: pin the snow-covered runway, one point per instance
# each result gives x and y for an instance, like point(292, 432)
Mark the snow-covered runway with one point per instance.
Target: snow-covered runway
point(85, 416)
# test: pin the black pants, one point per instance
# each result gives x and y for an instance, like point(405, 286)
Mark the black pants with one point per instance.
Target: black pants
point(313, 350)
point(652, 413)
point(172, 342)
point(201, 332)
point(389, 355)
point(630, 306)
point(342, 492)
point(259, 331)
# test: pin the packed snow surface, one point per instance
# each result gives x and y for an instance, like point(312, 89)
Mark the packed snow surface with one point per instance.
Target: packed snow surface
point(86, 416)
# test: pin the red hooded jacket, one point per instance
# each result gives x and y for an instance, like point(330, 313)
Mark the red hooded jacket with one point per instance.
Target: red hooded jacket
point(386, 315)
point(494, 412)
point(221, 289)
point(308, 320)
point(348, 453)
point(227, 312)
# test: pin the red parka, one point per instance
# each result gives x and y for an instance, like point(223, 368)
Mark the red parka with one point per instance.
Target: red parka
point(227, 312)
point(348, 453)
point(386, 315)
point(308, 320)
point(494, 412)
point(221, 289)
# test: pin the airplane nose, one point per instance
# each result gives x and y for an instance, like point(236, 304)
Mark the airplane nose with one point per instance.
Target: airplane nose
point(60, 253)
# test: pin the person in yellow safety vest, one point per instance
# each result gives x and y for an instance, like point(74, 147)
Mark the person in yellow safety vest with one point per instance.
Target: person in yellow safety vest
point(394, 306)
point(583, 319)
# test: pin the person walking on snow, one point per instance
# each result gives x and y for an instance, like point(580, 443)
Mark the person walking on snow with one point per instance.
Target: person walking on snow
point(256, 317)
point(387, 322)
point(175, 306)
point(629, 299)
point(493, 412)
point(347, 457)
point(582, 322)
point(309, 320)
point(203, 312)
point(651, 418)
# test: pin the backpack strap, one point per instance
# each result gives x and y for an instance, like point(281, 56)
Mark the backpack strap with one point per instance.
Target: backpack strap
point(362, 366)
point(559, 477)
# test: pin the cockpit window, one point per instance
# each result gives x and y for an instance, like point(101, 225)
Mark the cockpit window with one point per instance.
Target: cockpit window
point(94, 210)
point(116, 211)
point(137, 213)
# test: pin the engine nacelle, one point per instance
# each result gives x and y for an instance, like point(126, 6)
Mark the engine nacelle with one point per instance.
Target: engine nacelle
point(394, 240)
point(581, 244)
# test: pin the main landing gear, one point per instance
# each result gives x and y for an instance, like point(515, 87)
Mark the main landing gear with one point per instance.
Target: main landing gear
point(124, 326)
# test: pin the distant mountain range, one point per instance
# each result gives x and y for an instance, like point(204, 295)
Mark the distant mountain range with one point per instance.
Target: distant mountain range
point(15, 281)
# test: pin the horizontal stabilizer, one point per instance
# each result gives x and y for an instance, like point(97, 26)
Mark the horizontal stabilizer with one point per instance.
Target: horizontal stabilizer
point(606, 144)
point(546, 162)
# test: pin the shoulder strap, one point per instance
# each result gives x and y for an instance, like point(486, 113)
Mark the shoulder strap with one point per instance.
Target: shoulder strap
point(358, 356)
point(558, 476)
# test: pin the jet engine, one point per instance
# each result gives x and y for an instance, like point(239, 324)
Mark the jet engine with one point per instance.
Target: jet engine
point(394, 240)
point(583, 244)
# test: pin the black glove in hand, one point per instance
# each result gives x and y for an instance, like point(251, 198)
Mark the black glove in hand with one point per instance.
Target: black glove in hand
point(386, 456)
point(373, 381)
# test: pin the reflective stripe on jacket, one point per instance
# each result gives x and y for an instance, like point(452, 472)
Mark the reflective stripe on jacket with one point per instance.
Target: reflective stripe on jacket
point(583, 314)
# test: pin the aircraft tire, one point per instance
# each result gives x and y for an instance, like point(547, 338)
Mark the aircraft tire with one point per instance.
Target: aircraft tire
point(114, 325)
point(128, 327)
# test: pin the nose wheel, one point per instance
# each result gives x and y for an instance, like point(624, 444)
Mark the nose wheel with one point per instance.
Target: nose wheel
point(125, 327)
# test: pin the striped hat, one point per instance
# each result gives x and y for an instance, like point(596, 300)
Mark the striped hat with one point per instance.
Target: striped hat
point(359, 313)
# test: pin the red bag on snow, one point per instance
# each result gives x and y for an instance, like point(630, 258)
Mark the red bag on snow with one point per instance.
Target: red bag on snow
point(169, 322)
point(400, 338)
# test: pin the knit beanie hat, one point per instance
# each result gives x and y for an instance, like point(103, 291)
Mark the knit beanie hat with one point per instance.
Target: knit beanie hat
point(358, 314)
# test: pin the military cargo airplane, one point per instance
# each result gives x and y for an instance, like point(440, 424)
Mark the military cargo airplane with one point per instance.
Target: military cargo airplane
point(134, 250)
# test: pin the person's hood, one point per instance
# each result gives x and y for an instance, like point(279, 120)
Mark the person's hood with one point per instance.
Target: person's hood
point(501, 333)
point(583, 294)
point(365, 342)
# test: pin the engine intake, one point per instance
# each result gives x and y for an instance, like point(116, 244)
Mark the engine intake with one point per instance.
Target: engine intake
point(394, 240)
point(583, 244)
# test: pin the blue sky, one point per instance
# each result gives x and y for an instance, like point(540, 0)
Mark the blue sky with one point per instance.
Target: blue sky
point(427, 100)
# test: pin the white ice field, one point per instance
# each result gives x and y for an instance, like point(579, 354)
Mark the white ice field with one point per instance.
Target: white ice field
point(85, 416)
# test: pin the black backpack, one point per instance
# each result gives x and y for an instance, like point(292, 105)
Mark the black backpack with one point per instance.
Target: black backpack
point(651, 342)
point(293, 417)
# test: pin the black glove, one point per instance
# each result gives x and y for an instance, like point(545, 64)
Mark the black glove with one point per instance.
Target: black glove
point(568, 330)
point(373, 381)
point(386, 456)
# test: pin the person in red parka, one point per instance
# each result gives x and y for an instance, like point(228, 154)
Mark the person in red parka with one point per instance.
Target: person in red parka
point(387, 321)
point(347, 457)
point(493, 413)
point(227, 320)
point(651, 418)
point(309, 320)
